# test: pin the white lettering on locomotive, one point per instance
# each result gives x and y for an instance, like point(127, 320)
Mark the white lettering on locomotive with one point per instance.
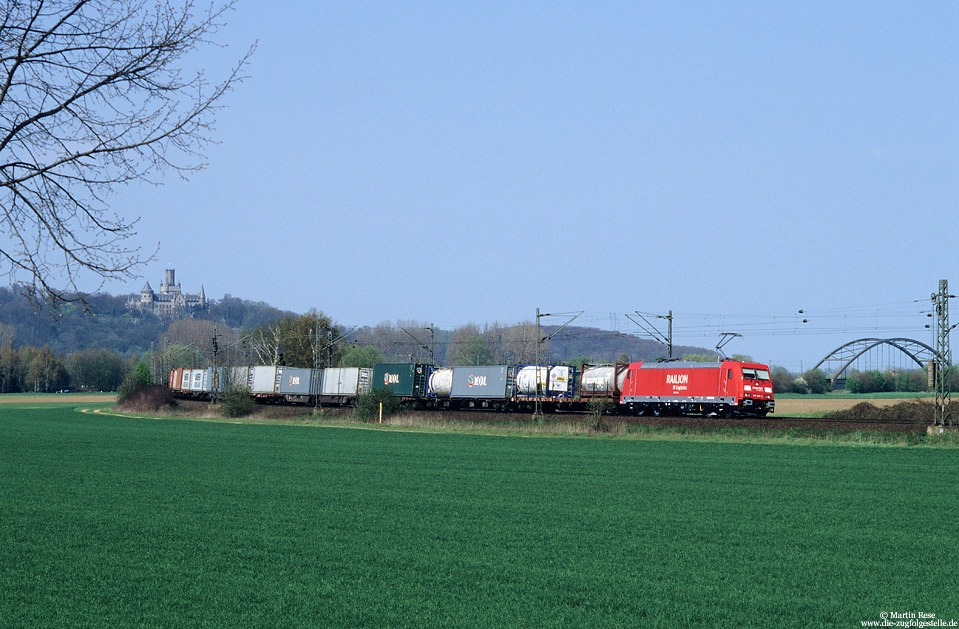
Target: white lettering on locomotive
point(680, 378)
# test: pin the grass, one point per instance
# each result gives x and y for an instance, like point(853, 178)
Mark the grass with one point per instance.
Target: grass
point(565, 426)
point(125, 521)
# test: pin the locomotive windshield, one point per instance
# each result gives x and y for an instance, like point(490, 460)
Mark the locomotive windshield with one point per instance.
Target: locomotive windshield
point(755, 374)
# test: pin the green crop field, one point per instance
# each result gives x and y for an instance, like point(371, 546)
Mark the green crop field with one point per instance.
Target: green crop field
point(109, 521)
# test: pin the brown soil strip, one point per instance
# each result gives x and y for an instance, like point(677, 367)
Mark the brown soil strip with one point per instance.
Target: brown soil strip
point(58, 399)
point(791, 407)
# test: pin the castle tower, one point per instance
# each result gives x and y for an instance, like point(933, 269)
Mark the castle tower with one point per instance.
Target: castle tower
point(146, 295)
point(169, 300)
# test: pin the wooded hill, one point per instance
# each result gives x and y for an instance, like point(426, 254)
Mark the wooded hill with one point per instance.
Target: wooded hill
point(108, 324)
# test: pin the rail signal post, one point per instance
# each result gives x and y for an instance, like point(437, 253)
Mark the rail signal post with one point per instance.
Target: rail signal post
point(943, 357)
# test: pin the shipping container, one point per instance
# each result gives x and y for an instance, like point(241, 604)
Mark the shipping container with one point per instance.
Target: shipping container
point(176, 378)
point(441, 383)
point(409, 380)
point(198, 378)
point(263, 381)
point(602, 380)
point(186, 378)
point(237, 376)
point(349, 382)
point(555, 381)
point(496, 382)
point(296, 380)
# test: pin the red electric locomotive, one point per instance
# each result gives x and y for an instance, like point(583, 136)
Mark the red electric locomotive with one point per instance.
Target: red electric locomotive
point(726, 388)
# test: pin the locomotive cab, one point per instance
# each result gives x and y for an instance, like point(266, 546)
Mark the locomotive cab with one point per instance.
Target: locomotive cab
point(752, 387)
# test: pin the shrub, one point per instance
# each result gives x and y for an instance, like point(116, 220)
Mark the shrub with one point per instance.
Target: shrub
point(853, 384)
point(816, 381)
point(236, 402)
point(147, 399)
point(599, 408)
point(368, 404)
point(137, 379)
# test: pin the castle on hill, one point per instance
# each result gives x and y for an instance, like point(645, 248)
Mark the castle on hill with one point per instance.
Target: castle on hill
point(170, 300)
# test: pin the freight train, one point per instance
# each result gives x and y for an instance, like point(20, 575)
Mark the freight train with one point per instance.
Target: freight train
point(727, 388)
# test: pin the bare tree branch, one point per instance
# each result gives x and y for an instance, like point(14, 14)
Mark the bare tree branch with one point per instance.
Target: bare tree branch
point(93, 96)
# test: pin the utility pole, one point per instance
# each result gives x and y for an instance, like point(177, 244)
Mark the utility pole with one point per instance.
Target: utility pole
point(429, 347)
point(538, 403)
point(651, 330)
point(155, 370)
point(214, 375)
point(331, 342)
point(943, 358)
point(316, 364)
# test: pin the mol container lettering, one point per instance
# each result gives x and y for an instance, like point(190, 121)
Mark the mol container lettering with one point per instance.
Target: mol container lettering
point(496, 382)
point(404, 380)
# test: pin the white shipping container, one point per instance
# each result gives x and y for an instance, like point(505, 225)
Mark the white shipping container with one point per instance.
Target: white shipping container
point(237, 376)
point(199, 380)
point(346, 381)
point(604, 379)
point(560, 381)
point(264, 380)
point(441, 382)
point(526, 379)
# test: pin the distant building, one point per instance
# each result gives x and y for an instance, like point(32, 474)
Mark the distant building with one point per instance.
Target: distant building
point(169, 301)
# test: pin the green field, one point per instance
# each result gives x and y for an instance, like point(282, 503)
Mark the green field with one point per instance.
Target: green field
point(113, 521)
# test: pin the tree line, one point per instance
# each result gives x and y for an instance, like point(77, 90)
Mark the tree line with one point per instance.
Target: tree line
point(816, 381)
point(38, 370)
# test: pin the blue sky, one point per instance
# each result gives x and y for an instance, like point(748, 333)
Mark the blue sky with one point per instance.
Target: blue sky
point(470, 162)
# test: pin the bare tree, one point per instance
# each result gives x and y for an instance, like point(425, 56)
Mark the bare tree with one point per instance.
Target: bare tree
point(303, 341)
point(514, 344)
point(521, 339)
point(93, 96)
point(265, 344)
point(184, 335)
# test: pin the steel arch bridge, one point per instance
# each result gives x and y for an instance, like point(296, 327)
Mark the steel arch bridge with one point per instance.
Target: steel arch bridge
point(846, 354)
